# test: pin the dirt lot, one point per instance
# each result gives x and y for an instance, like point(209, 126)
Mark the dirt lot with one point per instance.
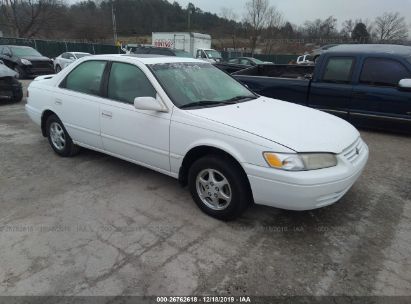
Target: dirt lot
point(95, 225)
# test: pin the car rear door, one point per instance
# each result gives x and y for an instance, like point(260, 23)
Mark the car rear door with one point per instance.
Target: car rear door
point(136, 135)
point(77, 102)
point(377, 101)
point(331, 90)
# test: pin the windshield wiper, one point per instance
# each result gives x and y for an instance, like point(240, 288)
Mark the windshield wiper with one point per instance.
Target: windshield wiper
point(205, 103)
point(202, 103)
point(238, 98)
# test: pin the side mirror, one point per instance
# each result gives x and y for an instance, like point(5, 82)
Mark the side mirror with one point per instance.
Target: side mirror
point(72, 58)
point(405, 84)
point(149, 103)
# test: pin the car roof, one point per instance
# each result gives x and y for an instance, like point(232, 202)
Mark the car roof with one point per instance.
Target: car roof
point(146, 58)
point(400, 50)
point(20, 46)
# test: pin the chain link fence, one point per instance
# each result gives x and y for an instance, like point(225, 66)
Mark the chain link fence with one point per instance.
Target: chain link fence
point(53, 49)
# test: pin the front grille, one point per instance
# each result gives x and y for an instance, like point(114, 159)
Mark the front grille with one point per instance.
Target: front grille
point(353, 152)
point(41, 65)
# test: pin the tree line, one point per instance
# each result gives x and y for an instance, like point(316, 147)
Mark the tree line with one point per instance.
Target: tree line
point(261, 26)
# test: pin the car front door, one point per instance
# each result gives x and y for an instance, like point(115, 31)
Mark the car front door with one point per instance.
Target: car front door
point(136, 135)
point(331, 92)
point(378, 101)
point(77, 102)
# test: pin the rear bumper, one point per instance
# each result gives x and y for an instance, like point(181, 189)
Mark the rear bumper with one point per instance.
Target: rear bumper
point(34, 114)
point(305, 190)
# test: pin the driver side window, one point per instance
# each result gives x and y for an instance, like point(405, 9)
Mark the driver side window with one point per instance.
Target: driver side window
point(127, 81)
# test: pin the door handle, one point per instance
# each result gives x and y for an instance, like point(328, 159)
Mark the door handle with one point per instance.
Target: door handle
point(107, 114)
point(58, 102)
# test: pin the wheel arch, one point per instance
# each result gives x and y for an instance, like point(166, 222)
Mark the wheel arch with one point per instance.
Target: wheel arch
point(202, 150)
point(44, 116)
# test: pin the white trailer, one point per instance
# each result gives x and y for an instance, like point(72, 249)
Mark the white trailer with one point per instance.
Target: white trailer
point(198, 45)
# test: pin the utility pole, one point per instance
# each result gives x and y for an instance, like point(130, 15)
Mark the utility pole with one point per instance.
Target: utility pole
point(113, 18)
point(189, 19)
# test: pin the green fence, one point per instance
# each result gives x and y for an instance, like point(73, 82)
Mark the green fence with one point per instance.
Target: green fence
point(52, 48)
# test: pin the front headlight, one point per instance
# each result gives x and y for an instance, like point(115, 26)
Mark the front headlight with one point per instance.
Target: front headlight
point(25, 61)
point(300, 161)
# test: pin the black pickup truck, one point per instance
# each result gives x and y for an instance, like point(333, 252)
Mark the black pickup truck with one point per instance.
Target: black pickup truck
point(368, 85)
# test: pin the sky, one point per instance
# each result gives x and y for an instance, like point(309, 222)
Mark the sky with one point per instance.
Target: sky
point(298, 11)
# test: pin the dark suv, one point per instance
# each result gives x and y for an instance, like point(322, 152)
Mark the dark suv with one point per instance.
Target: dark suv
point(160, 51)
point(26, 61)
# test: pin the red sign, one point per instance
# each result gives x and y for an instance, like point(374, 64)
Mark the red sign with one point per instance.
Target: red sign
point(164, 43)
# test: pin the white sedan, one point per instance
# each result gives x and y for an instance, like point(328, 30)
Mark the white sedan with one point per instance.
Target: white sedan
point(189, 120)
point(65, 59)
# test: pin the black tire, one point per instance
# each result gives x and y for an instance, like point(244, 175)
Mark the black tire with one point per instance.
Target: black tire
point(18, 96)
point(239, 188)
point(58, 69)
point(20, 72)
point(69, 148)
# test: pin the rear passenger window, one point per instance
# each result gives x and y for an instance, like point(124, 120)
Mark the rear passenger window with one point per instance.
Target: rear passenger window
point(127, 82)
point(339, 70)
point(85, 78)
point(383, 72)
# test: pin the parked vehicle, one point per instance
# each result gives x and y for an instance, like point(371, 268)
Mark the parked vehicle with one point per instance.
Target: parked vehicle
point(66, 59)
point(305, 60)
point(368, 85)
point(161, 51)
point(198, 45)
point(315, 54)
point(25, 61)
point(189, 120)
point(10, 87)
point(248, 61)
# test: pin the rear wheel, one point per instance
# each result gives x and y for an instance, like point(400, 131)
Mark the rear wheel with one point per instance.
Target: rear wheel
point(59, 139)
point(219, 187)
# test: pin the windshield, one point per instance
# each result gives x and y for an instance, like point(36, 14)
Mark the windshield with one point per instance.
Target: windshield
point(183, 54)
point(213, 54)
point(190, 83)
point(257, 61)
point(25, 51)
point(81, 55)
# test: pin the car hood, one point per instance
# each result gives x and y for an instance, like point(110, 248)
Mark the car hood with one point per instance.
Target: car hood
point(36, 58)
point(6, 72)
point(299, 128)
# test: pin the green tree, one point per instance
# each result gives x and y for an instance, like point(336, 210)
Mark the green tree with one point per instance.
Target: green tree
point(360, 33)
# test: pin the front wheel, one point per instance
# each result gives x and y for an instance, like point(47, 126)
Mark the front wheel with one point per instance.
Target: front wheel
point(219, 187)
point(59, 139)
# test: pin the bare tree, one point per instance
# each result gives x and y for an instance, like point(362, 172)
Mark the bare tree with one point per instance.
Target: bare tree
point(391, 26)
point(228, 13)
point(257, 16)
point(275, 22)
point(347, 28)
point(26, 18)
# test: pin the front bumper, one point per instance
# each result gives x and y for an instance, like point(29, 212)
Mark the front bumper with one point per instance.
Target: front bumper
point(10, 89)
point(308, 190)
point(32, 71)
